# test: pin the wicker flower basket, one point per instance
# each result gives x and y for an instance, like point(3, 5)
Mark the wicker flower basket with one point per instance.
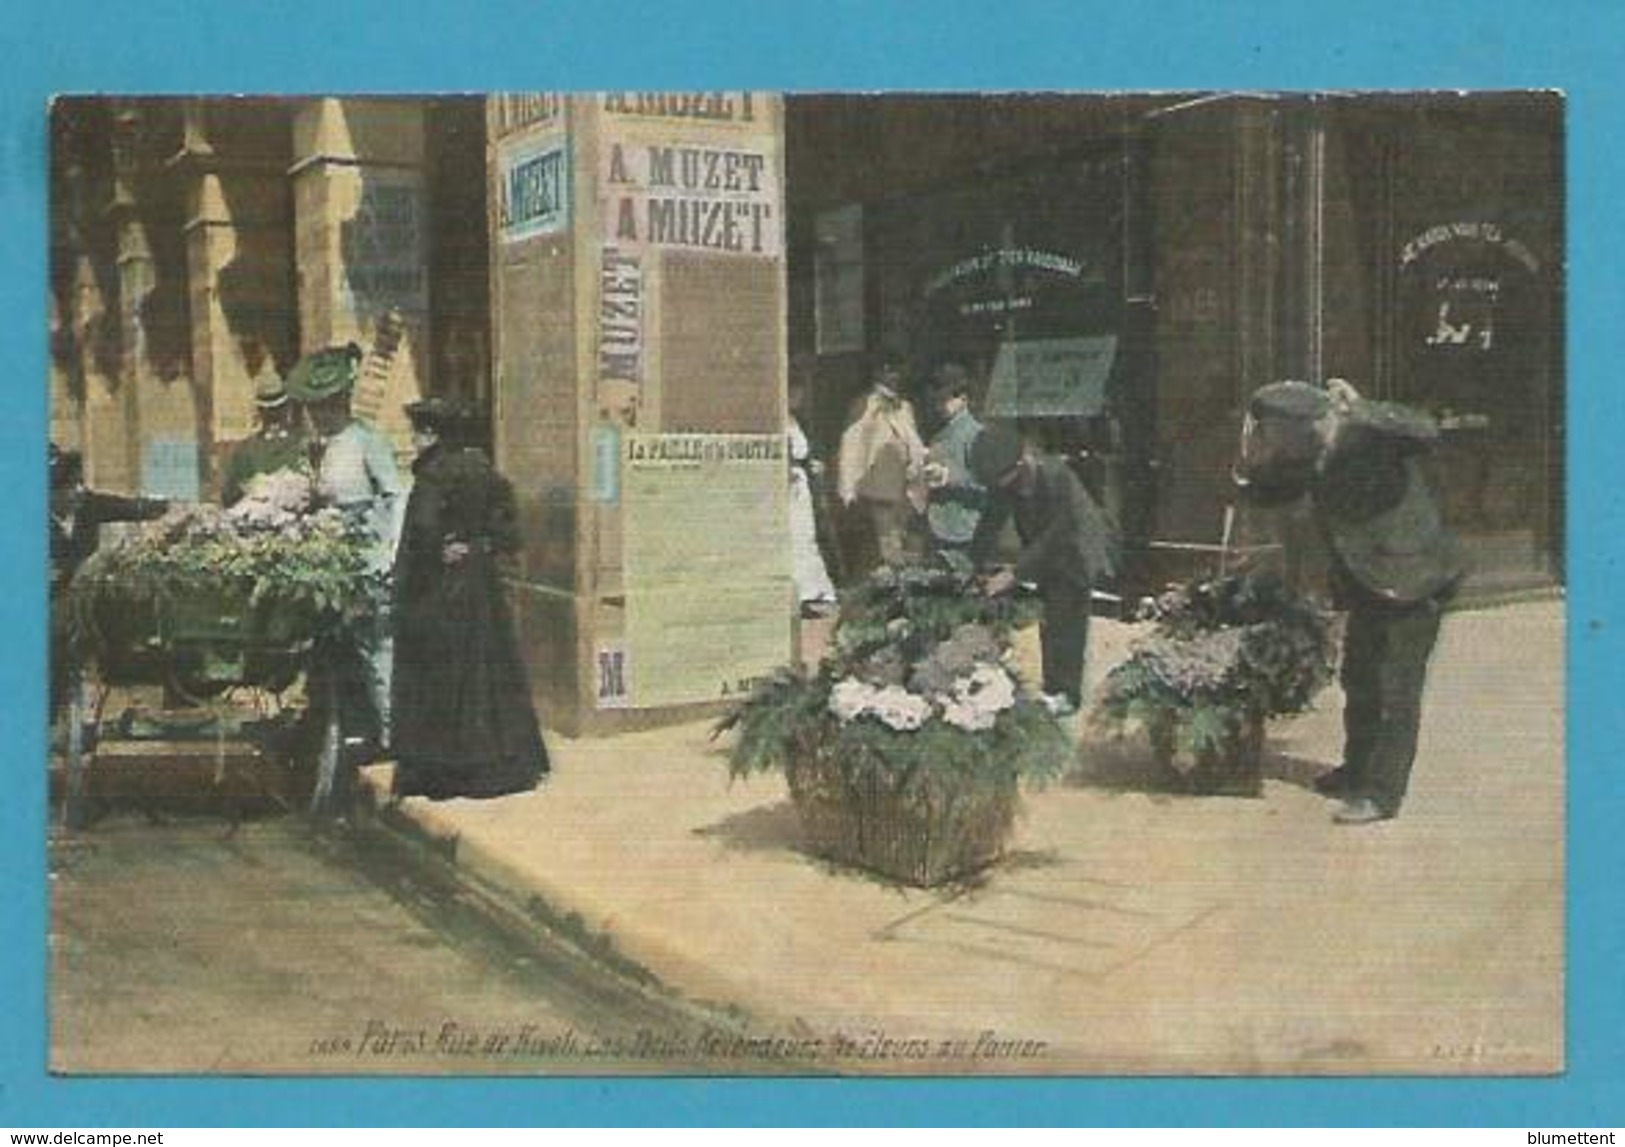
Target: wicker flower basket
point(1235, 769)
point(922, 834)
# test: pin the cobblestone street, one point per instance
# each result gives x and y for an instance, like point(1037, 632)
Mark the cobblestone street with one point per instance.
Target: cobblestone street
point(181, 948)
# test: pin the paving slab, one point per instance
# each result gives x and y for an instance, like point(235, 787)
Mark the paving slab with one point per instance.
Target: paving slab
point(1126, 931)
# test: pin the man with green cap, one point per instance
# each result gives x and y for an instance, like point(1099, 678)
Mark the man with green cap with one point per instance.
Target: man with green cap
point(278, 444)
point(1394, 565)
point(355, 470)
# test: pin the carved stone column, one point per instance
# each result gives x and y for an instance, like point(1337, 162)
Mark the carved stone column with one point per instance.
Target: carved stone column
point(232, 162)
point(361, 223)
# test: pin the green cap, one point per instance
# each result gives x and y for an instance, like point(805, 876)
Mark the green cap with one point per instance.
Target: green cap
point(325, 373)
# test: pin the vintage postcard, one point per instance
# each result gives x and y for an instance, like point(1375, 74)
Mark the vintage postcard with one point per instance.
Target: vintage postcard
point(734, 583)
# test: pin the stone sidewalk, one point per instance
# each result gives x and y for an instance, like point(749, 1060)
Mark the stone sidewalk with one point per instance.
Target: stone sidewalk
point(1127, 932)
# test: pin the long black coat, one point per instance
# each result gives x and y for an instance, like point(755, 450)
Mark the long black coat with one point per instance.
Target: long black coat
point(464, 724)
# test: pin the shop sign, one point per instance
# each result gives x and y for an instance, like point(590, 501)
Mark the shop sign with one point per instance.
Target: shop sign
point(1007, 258)
point(169, 469)
point(695, 196)
point(1481, 232)
point(655, 451)
point(513, 112)
point(614, 688)
point(706, 566)
point(620, 316)
point(714, 107)
point(384, 246)
point(533, 190)
point(1051, 378)
point(1010, 281)
point(606, 464)
point(1465, 282)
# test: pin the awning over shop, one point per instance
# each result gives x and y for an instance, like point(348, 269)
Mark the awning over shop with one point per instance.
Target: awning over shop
point(1051, 378)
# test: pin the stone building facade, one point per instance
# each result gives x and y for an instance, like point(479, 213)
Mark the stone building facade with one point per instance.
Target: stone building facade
point(625, 281)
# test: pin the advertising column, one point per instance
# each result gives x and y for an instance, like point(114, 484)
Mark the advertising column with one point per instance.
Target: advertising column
point(638, 293)
point(690, 367)
point(540, 389)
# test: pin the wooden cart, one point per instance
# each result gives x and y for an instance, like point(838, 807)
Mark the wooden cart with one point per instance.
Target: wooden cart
point(205, 650)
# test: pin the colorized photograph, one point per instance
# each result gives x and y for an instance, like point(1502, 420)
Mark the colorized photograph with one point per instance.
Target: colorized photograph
point(812, 584)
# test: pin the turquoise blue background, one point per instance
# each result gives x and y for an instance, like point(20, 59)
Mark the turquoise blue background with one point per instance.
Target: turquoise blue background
point(180, 46)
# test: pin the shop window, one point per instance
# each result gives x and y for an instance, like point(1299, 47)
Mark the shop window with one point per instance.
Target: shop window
point(838, 277)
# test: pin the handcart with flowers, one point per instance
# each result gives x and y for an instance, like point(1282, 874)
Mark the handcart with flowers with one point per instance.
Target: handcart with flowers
point(217, 606)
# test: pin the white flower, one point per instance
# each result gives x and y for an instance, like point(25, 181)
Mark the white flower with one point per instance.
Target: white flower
point(850, 698)
point(893, 705)
point(978, 698)
point(900, 709)
point(286, 489)
point(967, 716)
point(253, 514)
point(271, 501)
point(988, 687)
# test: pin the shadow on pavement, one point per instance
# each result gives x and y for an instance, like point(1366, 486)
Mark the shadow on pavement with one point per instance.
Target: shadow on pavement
point(767, 828)
point(1127, 765)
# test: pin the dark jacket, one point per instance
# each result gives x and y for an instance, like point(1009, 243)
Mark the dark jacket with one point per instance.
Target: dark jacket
point(1066, 539)
point(76, 534)
point(463, 720)
point(1377, 510)
point(262, 454)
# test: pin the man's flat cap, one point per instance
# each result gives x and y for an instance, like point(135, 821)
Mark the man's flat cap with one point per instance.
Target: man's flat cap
point(1296, 400)
point(994, 454)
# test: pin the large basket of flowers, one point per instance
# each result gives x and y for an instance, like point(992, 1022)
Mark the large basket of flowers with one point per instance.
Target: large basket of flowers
point(1223, 656)
point(205, 597)
point(905, 750)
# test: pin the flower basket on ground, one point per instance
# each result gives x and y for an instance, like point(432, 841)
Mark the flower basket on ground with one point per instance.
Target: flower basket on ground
point(1224, 656)
point(205, 597)
point(905, 749)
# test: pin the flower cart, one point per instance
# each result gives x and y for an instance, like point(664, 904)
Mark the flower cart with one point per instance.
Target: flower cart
point(206, 603)
point(905, 749)
point(1224, 656)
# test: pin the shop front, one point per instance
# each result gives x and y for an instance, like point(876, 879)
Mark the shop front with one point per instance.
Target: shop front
point(627, 281)
point(1117, 274)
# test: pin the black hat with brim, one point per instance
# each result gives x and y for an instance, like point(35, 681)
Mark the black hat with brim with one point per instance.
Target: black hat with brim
point(996, 452)
point(435, 414)
point(324, 374)
point(949, 381)
point(1294, 400)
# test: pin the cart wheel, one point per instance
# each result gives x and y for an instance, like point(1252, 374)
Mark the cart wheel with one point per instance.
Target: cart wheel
point(327, 760)
point(189, 687)
point(76, 787)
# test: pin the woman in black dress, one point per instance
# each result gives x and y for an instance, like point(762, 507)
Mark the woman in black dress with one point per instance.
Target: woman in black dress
point(464, 722)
